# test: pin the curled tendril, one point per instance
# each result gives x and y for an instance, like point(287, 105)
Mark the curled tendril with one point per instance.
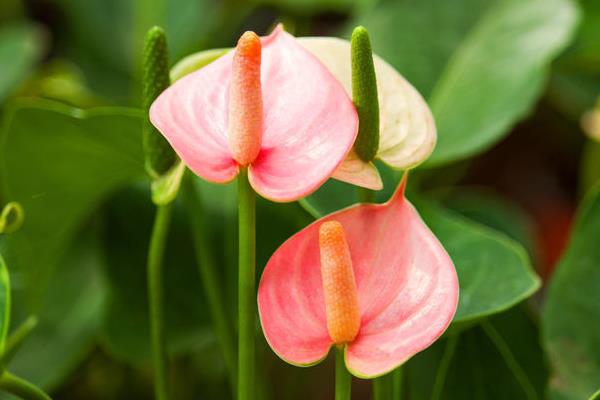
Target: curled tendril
point(11, 217)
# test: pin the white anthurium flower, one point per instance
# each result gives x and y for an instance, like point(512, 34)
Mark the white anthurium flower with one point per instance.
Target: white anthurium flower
point(407, 129)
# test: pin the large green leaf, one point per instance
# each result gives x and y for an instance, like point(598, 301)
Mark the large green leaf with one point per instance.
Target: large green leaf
point(61, 163)
point(493, 270)
point(20, 49)
point(488, 208)
point(500, 359)
point(572, 311)
point(575, 83)
point(480, 63)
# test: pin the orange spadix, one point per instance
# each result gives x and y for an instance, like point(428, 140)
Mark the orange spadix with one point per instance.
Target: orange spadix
point(245, 100)
point(339, 286)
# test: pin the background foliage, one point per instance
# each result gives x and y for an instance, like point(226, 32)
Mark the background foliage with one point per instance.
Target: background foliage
point(508, 81)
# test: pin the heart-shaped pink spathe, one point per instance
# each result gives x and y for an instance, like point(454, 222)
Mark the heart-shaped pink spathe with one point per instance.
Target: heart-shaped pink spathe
point(310, 123)
point(407, 289)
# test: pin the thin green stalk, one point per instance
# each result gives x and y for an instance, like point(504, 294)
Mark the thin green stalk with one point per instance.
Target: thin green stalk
point(382, 388)
point(246, 286)
point(442, 371)
point(366, 195)
point(155, 297)
point(511, 362)
point(210, 282)
point(397, 378)
point(343, 379)
point(21, 388)
point(16, 339)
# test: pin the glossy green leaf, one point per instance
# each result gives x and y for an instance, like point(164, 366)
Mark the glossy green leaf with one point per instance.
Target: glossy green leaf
point(570, 330)
point(4, 304)
point(595, 396)
point(500, 359)
point(61, 163)
point(20, 48)
point(575, 82)
point(494, 271)
point(489, 209)
point(462, 56)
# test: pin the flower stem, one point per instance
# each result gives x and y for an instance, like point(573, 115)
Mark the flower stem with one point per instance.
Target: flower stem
point(397, 377)
point(382, 388)
point(246, 286)
point(366, 195)
point(16, 339)
point(155, 293)
point(210, 282)
point(343, 379)
point(21, 388)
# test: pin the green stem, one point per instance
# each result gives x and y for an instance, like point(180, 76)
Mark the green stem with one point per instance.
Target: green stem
point(343, 379)
point(210, 282)
point(440, 376)
point(511, 362)
point(16, 339)
point(397, 377)
point(155, 293)
point(21, 388)
point(366, 195)
point(382, 388)
point(246, 286)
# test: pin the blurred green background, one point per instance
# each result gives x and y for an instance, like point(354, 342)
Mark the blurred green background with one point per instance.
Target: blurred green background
point(508, 82)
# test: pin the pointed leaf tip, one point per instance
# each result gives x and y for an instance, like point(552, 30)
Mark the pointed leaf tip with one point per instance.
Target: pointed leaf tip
point(364, 95)
point(159, 154)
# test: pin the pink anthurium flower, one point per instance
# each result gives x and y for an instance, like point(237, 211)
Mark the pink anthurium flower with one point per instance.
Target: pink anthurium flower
point(269, 105)
point(372, 278)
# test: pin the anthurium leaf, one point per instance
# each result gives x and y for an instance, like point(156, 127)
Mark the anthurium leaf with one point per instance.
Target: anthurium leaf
point(500, 359)
point(61, 163)
point(463, 62)
point(494, 271)
point(489, 209)
point(575, 82)
point(570, 332)
point(4, 304)
point(20, 48)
